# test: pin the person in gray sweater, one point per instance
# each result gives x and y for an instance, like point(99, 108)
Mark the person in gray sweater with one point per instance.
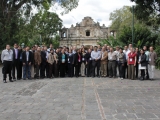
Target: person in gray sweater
point(152, 62)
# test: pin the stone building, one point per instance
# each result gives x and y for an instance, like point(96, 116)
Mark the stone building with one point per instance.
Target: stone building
point(84, 33)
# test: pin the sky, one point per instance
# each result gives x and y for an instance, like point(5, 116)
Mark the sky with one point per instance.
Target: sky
point(99, 10)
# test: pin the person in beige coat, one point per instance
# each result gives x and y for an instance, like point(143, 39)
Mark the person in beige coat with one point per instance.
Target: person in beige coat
point(37, 59)
point(50, 60)
point(104, 57)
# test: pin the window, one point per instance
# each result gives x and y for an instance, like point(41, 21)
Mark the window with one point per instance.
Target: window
point(87, 33)
point(64, 34)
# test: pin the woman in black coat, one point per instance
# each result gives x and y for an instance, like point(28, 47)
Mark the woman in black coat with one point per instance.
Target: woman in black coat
point(78, 61)
point(142, 64)
point(70, 63)
point(63, 61)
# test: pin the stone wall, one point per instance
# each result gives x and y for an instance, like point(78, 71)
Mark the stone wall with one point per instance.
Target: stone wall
point(77, 35)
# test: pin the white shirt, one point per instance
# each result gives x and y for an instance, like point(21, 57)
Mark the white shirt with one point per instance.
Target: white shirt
point(127, 54)
point(95, 55)
point(27, 55)
point(7, 55)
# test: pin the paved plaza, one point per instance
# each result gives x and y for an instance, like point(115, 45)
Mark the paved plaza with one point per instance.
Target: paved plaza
point(80, 99)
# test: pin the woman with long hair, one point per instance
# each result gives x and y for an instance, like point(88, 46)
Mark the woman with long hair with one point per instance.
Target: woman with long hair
point(132, 58)
point(142, 63)
point(121, 61)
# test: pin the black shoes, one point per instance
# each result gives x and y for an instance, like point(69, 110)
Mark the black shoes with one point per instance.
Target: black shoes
point(14, 78)
point(4, 81)
point(141, 78)
point(11, 80)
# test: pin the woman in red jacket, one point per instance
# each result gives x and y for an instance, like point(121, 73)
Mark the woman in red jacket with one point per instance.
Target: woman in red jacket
point(132, 58)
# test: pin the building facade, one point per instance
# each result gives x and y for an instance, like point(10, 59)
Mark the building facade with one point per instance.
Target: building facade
point(84, 33)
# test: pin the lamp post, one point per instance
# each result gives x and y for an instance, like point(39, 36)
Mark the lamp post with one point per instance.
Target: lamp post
point(133, 25)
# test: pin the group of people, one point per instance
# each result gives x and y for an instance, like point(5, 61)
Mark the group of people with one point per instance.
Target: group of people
point(98, 61)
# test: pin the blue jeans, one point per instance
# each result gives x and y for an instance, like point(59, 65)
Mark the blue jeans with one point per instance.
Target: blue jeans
point(26, 70)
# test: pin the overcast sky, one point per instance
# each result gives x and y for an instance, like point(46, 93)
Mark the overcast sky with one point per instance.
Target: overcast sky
point(99, 10)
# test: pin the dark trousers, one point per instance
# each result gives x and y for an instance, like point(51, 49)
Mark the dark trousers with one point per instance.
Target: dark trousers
point(125, 70)
point(20, 69)
point(62, 69)
point(56, 72)
point(95, 64)
point(121, 69)
point(37, 71)
point(147, 74)
point(47, 69)
point(51, 70)
point(73, 69)
point(66, 69)
point(89, 68)
point(43, 69)
point(58, 68)
point(143, 73)
point(15, 65)
point(112, 68)
point(26, 71)
point(137, 70)
point(7, 69)
point(77, 69)
point(70, 70)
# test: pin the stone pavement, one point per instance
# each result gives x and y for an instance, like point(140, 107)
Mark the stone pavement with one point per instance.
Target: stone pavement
point(80, 99)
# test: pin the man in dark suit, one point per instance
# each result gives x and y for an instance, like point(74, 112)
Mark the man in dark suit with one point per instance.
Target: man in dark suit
point(16, 62)
point(89, 63)
point(74, 59)
point(70, 64)
point(44, 63)
point(27, 59)
point(59, 57)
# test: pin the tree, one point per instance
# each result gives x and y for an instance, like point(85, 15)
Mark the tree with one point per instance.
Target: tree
point(148, 11)
point(143, 36)
point(40, 30)
point(12, 10)
point(120, 18)
point(111, 41)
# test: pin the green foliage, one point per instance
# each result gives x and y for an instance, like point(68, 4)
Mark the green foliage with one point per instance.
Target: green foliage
point(143, 36)
point(55, 41)
point(17, 20)
point(111, 41)
point(120, 18)
point(158, 54)
point(148, 12)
